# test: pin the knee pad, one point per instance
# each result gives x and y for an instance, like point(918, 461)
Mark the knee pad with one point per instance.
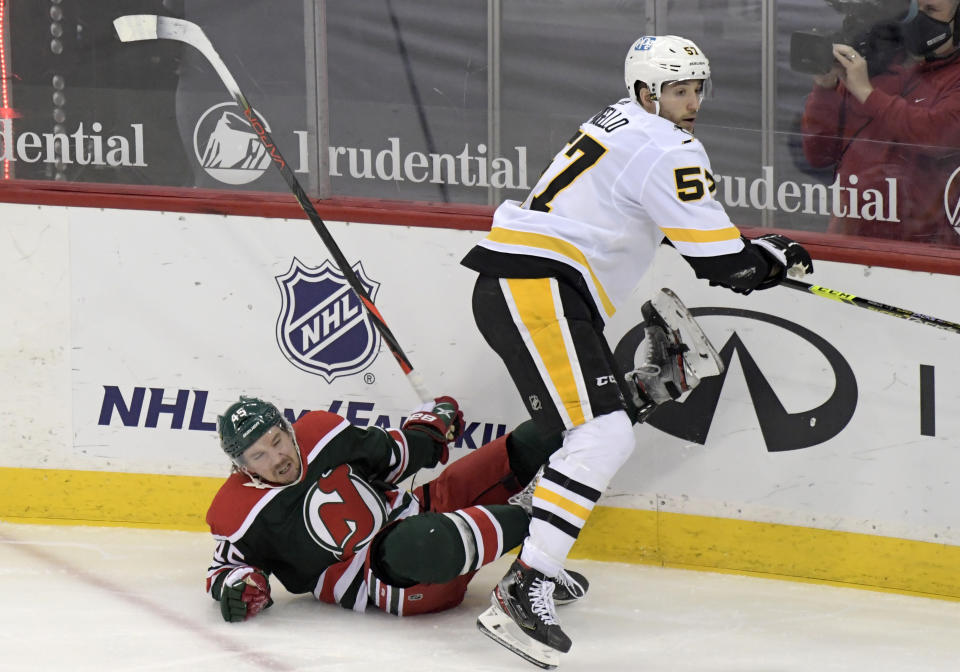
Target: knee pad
point(404, 550)
point(594, 451)
point(528, 450)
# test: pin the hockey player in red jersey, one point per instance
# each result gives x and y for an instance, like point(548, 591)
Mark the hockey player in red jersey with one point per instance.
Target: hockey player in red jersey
point(315, 505)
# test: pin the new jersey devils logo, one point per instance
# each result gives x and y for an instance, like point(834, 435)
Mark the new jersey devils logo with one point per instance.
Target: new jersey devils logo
point(342, 512)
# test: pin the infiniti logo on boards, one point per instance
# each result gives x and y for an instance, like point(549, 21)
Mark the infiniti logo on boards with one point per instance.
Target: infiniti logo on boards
point(781, 429)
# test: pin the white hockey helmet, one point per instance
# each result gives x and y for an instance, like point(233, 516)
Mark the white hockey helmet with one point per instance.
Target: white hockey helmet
point(656, 60)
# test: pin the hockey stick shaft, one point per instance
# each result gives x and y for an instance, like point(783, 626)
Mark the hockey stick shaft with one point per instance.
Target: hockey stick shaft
point(138, 27)
point(844, 297)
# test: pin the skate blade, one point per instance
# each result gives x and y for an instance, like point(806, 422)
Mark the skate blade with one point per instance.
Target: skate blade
point(498, 626)
point(702, 359)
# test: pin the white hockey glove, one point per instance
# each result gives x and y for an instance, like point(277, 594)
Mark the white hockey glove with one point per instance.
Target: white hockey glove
point(792, 257)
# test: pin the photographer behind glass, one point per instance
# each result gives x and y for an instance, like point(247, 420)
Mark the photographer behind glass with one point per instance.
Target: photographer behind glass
point(888, 121)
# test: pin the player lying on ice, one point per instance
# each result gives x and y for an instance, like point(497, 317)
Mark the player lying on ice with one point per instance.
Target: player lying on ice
point(315, 505)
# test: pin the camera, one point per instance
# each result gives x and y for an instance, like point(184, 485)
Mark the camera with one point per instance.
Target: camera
point(871, 27)
point(811, 51)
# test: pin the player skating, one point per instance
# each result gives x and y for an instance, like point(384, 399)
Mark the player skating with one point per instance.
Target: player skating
point(555, 267)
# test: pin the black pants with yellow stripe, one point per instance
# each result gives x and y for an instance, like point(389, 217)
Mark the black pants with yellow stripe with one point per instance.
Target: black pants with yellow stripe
point(554, 348)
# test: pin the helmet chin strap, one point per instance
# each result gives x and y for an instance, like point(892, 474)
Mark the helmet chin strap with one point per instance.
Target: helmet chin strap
point(653, 99)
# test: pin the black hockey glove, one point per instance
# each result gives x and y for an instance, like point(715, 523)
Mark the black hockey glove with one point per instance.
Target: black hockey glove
point(793, 261)
point(441, 420)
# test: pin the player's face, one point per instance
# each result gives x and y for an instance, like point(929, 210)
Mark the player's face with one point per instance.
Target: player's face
point(680, 102)
point(274, 457)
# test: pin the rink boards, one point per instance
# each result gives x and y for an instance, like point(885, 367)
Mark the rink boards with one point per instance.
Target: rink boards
point(828, 451)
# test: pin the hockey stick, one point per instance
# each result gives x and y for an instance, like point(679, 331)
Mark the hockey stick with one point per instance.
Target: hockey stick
point(843, 297)
point(139, 27)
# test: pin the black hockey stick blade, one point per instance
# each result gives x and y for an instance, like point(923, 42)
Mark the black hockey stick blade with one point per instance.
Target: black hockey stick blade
point(139, 27)
point(844, 297)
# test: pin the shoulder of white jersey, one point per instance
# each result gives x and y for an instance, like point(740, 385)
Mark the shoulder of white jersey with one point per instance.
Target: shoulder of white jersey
point(682, 147)
point(663, 133)
point(612, 119)
point(670, 136)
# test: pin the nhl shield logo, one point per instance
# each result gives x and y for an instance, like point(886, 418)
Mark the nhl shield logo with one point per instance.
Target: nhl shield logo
point(323, 328)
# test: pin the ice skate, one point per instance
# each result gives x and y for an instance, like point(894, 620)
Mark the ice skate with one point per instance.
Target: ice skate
point(522, 617)
point(700, 358)
point(570, 587)
point(675, 354)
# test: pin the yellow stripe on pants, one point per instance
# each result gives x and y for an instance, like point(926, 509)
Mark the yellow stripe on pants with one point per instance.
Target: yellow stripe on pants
point(567, 505)
point(537, 309)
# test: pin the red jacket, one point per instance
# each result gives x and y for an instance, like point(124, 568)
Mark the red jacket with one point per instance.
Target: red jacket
point(907, 129)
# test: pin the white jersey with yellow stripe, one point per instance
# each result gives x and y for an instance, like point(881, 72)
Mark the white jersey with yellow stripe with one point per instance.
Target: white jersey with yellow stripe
point(623, 182)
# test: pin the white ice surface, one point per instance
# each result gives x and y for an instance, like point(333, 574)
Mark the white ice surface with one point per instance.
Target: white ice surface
point(104, 599)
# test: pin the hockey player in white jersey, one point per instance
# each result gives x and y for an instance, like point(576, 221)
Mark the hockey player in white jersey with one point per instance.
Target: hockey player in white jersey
point(554, 269)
